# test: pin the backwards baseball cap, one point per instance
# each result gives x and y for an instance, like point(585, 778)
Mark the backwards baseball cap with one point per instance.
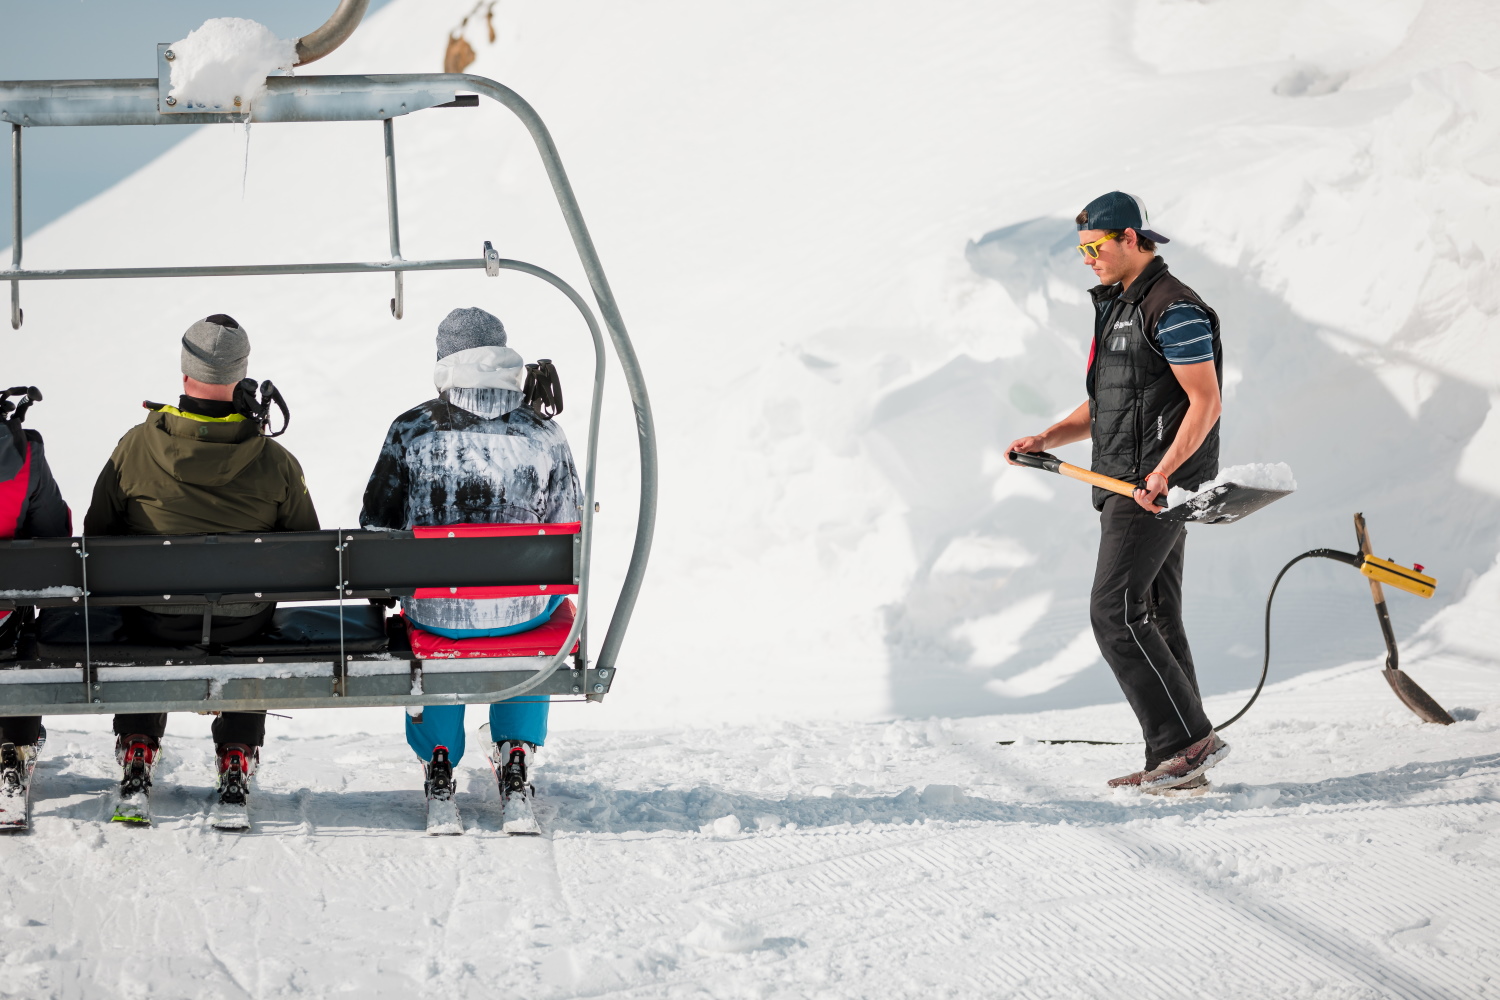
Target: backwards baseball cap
point(1118, 210)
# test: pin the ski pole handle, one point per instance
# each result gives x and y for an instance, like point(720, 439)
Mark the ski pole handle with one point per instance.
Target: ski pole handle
point(1051, 463)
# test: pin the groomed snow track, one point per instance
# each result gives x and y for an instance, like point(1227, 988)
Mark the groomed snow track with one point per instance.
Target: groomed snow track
point(1336, 860)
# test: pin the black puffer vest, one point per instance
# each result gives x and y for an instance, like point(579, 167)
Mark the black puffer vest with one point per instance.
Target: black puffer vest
point(1136, 404)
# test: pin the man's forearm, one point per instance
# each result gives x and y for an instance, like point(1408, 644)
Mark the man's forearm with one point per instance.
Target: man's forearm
point(1073, 427)
point(1196, 423)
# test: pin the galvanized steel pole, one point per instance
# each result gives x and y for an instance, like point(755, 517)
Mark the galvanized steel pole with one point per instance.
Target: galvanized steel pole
point(334, 32)
point(629, 364)
point(15, 222)
point(398, 303)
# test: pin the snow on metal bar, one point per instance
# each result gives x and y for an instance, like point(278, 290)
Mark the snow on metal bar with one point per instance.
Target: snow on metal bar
point(34, 103)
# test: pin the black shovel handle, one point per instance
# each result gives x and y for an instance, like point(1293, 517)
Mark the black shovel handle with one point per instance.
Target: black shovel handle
point(1037, 460)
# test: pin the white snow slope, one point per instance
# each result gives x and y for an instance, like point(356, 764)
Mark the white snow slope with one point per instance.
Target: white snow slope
point(840, 236)
point(792, 205)
point(1349, 852)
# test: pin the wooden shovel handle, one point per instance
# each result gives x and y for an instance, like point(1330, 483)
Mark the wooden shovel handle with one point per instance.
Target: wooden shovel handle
point(1051, 463)
point(1095, 479)
point(1363, 535)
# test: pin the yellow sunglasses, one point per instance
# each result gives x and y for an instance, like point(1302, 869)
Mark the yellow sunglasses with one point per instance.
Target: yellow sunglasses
point(1091, 250)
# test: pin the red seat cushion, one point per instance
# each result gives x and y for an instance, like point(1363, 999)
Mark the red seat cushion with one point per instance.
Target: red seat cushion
point(544, 640)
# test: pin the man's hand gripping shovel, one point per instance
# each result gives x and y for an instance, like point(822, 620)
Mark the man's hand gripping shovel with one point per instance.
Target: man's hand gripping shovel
point(1222, 504)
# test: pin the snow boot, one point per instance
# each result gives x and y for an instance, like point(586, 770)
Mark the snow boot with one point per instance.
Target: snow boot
point(136, 755)
point(511, 762)
point(1187, 764)
point(437, 785)
point(237, 762)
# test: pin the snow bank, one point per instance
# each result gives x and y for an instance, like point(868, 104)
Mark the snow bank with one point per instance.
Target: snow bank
point(842, 323)
point(224, 63)
point(1260, 475)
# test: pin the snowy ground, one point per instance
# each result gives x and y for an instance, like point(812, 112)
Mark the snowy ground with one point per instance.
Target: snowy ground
point(1348, 851)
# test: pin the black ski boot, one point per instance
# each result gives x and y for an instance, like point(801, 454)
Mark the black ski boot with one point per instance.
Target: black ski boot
point(510, 760)
point(16, 764)
point(237, 762)
point(136, 756)
point(437, 786)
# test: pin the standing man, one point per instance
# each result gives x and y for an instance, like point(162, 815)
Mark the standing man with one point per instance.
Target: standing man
point(1155, 369)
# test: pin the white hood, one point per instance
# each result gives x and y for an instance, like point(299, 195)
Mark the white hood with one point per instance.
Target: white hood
point(481, 368)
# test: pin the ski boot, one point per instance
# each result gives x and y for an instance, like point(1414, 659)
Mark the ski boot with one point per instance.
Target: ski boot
point(136, 756)
point(510, 761)
point(16, 765)
point(237, 762)
point(437, 786)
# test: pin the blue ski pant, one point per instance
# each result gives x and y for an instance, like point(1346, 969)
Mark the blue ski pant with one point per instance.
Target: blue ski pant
point(521, 719)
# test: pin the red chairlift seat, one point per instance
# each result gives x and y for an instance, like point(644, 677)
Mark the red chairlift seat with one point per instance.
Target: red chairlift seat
point(545, 640)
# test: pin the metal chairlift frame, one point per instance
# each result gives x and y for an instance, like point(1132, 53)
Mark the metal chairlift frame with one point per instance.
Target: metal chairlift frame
point(60, 103)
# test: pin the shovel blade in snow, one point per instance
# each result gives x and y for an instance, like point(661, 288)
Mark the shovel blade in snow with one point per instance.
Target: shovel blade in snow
point(1224, 504)
point(1413, 697)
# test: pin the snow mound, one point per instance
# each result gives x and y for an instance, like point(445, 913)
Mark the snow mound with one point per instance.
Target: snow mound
point(1260, 475)
point(226, 60)
point(720, 933)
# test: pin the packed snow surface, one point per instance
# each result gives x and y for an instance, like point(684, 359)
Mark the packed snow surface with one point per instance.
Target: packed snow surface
point(1260, 475)
point(1347, 852)
point(227, 59)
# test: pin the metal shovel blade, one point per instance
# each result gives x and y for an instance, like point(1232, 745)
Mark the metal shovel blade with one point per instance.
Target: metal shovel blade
point(1224, 504)
point(1414, 698)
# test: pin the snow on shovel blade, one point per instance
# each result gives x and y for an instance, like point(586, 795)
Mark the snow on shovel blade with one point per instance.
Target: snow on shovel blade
point(1223, 504)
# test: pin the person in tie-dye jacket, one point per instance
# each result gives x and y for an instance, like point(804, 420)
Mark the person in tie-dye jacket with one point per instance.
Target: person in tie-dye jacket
point(475, 454)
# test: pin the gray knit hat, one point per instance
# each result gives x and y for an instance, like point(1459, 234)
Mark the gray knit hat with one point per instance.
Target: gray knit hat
point(215, 350)
point(463, 329)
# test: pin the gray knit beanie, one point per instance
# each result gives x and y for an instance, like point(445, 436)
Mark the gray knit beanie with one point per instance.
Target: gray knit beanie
point(463, 329)
point(215, 350)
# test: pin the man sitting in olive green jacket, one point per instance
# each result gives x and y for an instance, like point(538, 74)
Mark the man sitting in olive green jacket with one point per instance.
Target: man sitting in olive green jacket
point(200, 467)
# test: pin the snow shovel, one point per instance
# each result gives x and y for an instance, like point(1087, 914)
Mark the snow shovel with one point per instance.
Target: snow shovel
point(1222, 504)
point(1410, 693)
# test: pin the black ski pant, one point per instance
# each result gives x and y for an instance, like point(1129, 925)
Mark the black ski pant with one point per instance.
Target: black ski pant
point(21, 729)
point(248, 728)
point(1136, 609)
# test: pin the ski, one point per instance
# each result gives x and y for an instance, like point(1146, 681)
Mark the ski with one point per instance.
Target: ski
point(16, 766)
point(137, 758)
point(517, 796)
point(231, 808)
point(437, 785)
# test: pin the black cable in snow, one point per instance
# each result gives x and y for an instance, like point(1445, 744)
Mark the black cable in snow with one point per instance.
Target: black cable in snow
point(1265, 666)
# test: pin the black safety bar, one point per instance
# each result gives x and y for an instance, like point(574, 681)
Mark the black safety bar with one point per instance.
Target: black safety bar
point(278, 566)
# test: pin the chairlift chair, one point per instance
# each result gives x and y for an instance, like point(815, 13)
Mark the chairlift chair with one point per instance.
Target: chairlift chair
point(347, 655)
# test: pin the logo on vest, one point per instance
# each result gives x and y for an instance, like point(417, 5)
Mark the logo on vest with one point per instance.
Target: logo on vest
point(1124, 324)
